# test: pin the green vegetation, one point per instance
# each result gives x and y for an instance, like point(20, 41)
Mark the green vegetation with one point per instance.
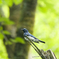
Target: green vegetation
point(46, 25)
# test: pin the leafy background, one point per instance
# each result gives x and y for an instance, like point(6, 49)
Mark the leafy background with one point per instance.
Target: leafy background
point(46, 25)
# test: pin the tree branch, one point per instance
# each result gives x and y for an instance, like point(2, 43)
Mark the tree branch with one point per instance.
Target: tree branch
point(44, 55)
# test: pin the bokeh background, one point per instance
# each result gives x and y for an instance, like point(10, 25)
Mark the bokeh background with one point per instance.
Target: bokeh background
point(46, 26)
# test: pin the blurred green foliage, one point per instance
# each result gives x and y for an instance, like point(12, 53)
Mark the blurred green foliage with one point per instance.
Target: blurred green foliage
point(4, 20)
point(46, 25)
point(3, 54)
point(18, 39)
point(9, 2)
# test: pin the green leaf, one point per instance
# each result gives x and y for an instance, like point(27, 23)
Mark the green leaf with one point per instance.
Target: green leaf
point(9, 2)
point(1, 36)
point(5, 10)
point(0, 2)
point(17, 1)
point(13, 40)
point(3, 53)
point(9, 23)
point(8, 43)
point(6, 32)
point(19, 39)
point(6, 21)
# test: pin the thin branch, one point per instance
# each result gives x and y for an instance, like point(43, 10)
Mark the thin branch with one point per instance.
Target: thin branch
point(36, 48)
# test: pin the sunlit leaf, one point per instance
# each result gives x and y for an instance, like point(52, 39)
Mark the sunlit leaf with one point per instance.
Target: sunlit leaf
point(17, 1)
point(0, 2)
point(3, 53)
point(9, 2)
point(1, 36)
point(5, 10)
